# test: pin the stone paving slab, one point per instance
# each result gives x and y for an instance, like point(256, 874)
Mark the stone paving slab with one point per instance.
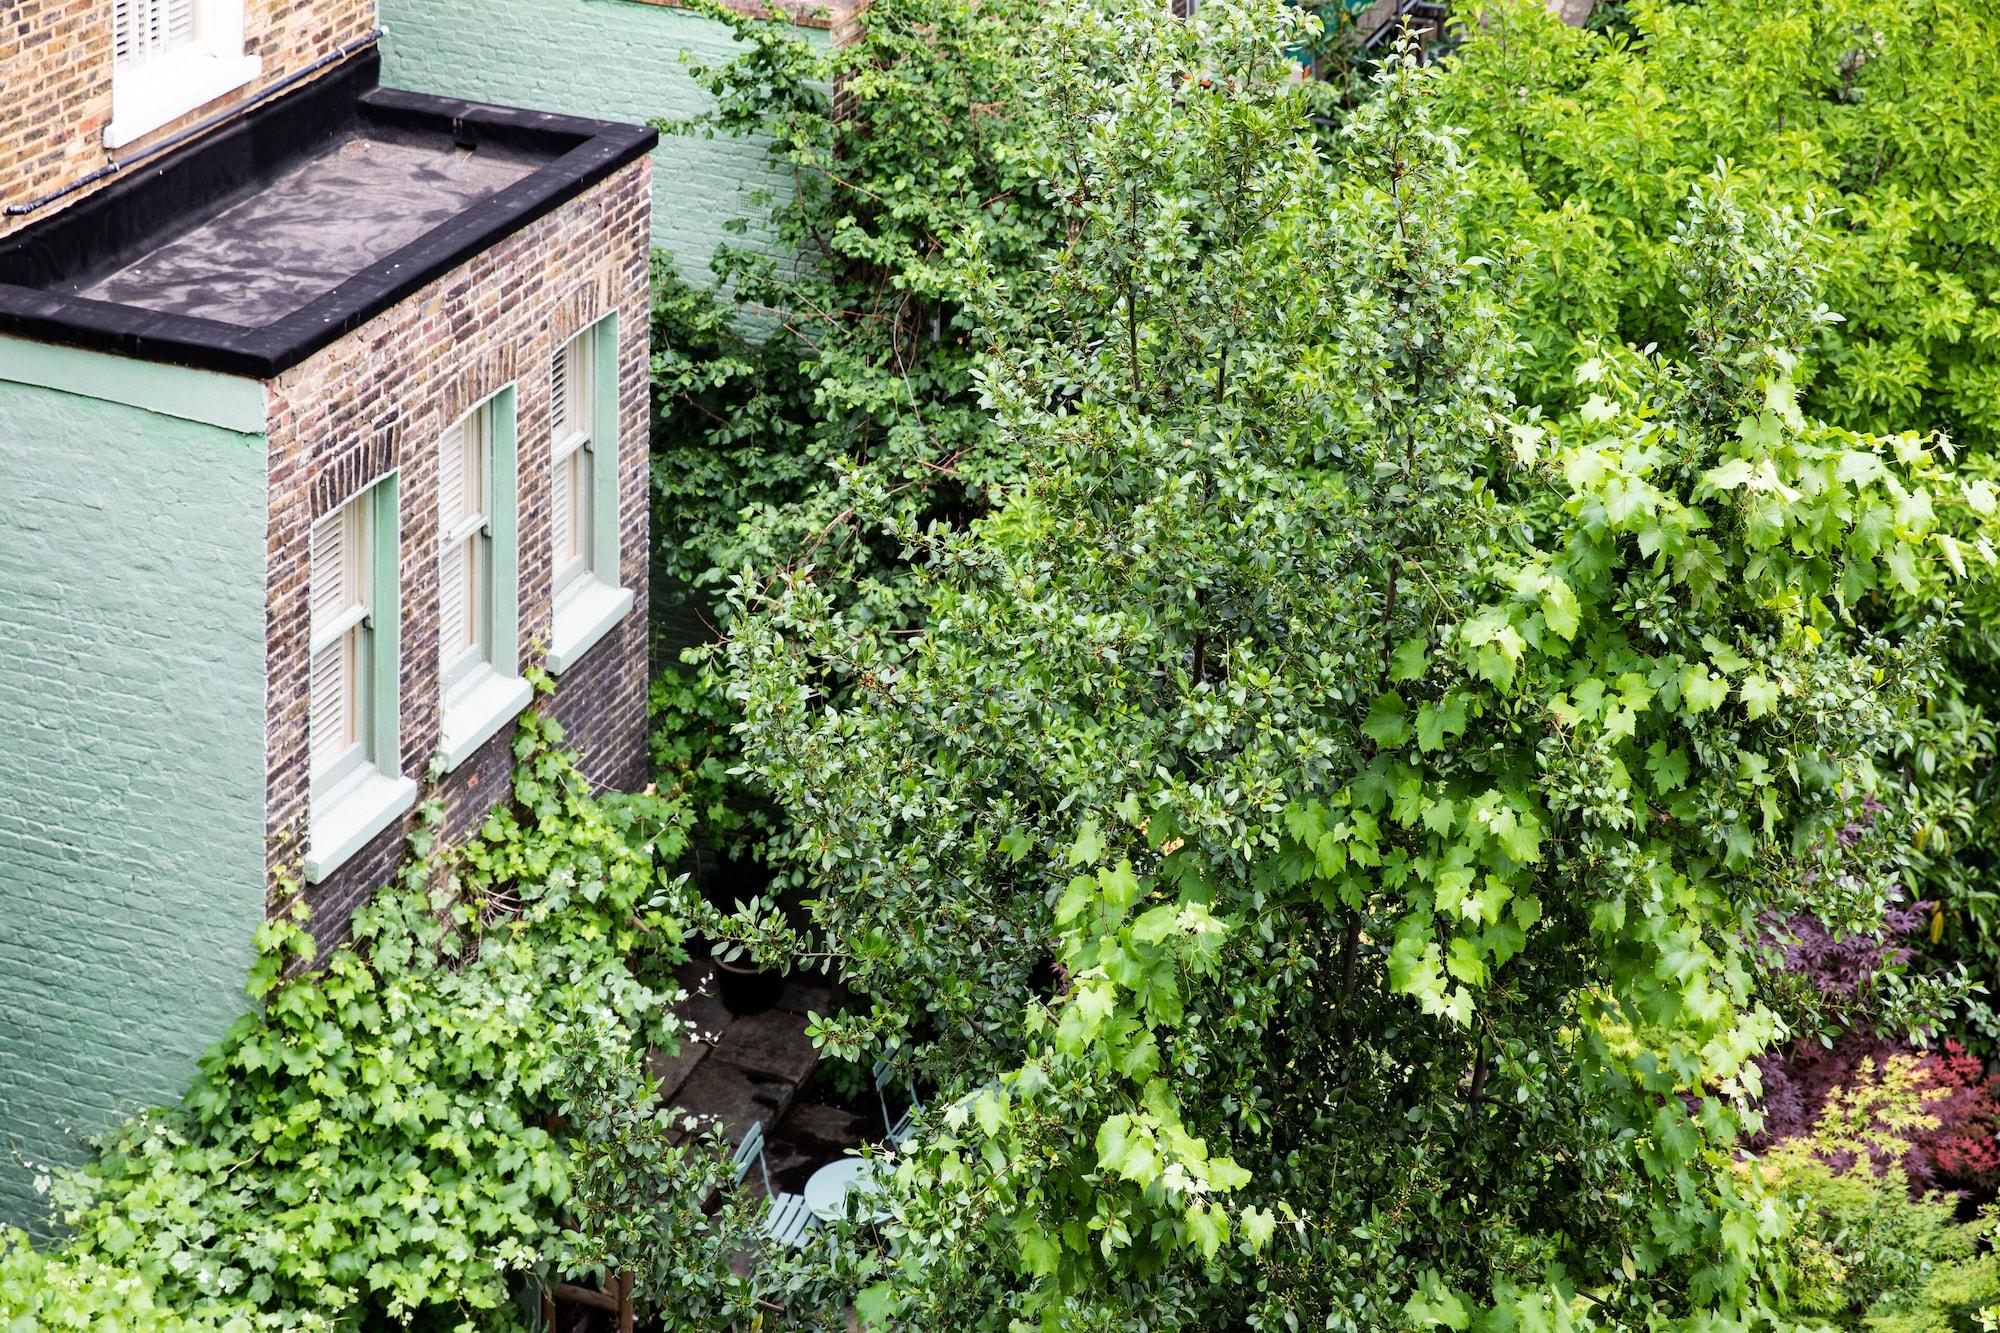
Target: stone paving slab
point(736, 1096)
point(772, 1043)
point(672, 1073)
point(813, 1134)
point(807, 994)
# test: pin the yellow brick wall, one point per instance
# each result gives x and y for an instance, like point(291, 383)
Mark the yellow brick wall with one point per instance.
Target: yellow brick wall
point(55, 84)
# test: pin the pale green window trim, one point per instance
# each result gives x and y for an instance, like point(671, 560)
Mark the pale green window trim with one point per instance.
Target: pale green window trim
point(344, 820)
point(476, 704)
point(228, 401)
point(588, 609)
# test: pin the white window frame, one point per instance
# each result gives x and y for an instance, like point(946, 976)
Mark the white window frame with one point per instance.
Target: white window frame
point(359, 792)
point(586, 598)
point(480, 688)
point(572, 462)
point(467, 537)
point(150, 90)
point(346, 639)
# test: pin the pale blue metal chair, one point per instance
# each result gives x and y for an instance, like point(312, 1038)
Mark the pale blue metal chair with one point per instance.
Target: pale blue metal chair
point(787, 1221)
point(897, 1126)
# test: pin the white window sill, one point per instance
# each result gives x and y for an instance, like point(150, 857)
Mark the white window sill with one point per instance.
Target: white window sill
point(352, 818)
point(582, 618)
point(479, 706)
point(168, 87)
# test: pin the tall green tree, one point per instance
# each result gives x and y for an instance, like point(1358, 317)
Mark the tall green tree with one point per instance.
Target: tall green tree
point(1880, 114)
point(1878, 119)
point(850, 341)
point(1316, 843)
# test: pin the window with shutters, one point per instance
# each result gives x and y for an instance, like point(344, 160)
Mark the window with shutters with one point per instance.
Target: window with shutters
point(143, 30)
point(170, 57)
point(340, 579)
point(479, 679)
point(355, 788)
point(583, 493)
point(465, 547)
point(572, 489)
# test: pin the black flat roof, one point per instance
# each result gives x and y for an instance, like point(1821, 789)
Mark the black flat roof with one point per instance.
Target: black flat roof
point(297, 222)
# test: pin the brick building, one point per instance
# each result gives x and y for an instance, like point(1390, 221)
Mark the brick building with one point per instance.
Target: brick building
point(322, 420)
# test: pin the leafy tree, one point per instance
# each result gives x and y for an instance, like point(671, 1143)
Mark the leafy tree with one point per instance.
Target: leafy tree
point(1317, 842)
point(1878, 114)
point(852, 342)
point(1879, 118)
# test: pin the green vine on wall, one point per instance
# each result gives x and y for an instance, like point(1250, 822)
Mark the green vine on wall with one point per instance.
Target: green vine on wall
point(379, 1143)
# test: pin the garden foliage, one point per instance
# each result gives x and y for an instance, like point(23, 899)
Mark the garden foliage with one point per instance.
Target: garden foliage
point(382, 1141)
point(1343, 696)
point(1321, 835)
point(1877, 117)
point(1865, 1249)
point(851, 340)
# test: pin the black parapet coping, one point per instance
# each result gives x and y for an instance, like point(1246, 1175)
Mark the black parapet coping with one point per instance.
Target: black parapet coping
point(168, 197)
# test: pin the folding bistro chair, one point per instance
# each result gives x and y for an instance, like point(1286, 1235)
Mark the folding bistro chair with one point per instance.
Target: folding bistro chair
point(788, 1221)
point(897, 1127)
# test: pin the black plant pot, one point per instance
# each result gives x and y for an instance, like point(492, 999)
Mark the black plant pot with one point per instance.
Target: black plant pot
point(744, 989)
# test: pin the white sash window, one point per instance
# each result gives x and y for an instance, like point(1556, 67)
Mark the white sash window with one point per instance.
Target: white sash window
point(480, 685)
point(465, 549)
point(571, 413)
point(342, 629)
point(584, 534)
point(170, 57)
point(353, 743)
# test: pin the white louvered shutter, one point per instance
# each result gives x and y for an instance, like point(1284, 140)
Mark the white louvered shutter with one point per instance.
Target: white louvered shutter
point(144, 28)
point(560, 395)
point(337, 589)
point(562, 514)
point(452, 482)
point(462, 487)
point(571, 391)
point(331, 723)
point(454, 615)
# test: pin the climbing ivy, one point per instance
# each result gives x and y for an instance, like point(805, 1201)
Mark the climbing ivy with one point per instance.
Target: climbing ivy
point(382, 1140)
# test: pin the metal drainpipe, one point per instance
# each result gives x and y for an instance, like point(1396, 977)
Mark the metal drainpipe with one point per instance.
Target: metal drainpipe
point(200, 127)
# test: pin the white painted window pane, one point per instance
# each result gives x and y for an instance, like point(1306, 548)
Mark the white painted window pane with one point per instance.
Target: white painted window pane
point(570, 527)
point(463, 467)
point(456, 610)
point(559, 412)
point(572, 498)
point(570, 381)
point(338, 598)
point(144, 28)
point(338, 576)
point(464, 562)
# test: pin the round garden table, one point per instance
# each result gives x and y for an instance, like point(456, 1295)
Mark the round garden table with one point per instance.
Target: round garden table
point(828, 1189)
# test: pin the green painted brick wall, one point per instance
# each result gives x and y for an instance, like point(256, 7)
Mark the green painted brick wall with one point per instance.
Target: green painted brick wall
point(131, 761)
point(613, 59)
